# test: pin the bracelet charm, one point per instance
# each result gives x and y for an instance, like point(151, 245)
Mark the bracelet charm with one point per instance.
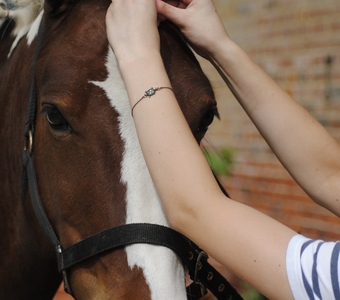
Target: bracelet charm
point(148, 94)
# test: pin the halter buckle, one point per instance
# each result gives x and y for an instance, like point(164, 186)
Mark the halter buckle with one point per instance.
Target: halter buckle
point(67, 285)
point(199, 265)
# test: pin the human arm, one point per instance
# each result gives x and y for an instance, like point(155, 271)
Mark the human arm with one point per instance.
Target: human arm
point(303, 146)
point(232, 233)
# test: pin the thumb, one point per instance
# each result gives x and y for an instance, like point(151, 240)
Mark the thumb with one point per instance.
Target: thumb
point(169, 12)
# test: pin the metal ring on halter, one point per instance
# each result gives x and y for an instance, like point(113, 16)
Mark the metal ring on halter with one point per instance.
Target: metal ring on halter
point(30, 142)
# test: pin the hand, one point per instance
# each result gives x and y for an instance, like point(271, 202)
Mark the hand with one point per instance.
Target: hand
point(132, 29)
point(198, 21)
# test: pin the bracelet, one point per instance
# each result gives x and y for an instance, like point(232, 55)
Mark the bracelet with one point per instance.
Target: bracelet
point(149, 93)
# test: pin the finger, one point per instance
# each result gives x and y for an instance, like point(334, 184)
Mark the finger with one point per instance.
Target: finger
point(172, 2)
point(178, 3)
point(184, 2)
point(170, 12)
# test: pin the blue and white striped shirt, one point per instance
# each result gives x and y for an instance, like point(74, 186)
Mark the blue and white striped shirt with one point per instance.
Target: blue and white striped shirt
point(313, 268)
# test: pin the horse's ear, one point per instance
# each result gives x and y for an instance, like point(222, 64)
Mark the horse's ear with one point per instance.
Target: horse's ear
point(57, 6)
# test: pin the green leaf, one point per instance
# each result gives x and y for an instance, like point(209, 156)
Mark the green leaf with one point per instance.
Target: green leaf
point(221, 161)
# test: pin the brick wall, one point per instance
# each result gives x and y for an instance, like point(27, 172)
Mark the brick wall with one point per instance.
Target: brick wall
point(298, 43)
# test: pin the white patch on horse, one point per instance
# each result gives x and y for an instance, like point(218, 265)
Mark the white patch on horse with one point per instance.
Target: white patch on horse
point(27, 21)
point(33, 32)
point(162, 269)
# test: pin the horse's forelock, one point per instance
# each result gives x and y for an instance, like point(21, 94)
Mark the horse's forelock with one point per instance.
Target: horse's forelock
point(24, 12)
point(24, 3)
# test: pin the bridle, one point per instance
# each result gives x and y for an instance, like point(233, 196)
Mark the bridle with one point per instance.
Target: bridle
point(204, 276)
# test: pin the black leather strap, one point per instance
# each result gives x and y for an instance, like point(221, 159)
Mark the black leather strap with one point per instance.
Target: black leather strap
point(39, 210)
point(190, 254)
point(32, 101)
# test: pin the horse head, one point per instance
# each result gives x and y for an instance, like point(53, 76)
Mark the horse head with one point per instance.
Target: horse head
point(89, 166)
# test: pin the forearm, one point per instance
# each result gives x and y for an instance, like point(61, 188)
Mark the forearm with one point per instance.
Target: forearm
point(303, 146)
point(192, 200)
point(173, 157)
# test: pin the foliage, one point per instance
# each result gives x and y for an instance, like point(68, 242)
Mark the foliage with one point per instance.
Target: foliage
point(221, 161)
point(251, 294)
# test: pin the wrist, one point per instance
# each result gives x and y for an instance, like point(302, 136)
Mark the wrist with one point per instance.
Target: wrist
point(141, 74)
point(130, 57)
point(223, 48)
point(230, 60)
point(138, 61)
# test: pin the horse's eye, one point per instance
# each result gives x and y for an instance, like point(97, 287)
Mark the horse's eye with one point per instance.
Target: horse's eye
point(208, 118)
point(55, 119)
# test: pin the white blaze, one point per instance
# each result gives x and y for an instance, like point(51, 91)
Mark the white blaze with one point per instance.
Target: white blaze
point(162, 269)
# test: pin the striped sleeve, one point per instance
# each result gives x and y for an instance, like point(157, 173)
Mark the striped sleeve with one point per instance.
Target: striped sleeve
point(313, 268)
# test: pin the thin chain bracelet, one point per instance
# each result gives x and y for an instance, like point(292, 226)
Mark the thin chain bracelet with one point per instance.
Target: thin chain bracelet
point(149, 93)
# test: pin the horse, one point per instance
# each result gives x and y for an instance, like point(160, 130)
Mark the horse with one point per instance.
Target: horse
point(89, 166)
